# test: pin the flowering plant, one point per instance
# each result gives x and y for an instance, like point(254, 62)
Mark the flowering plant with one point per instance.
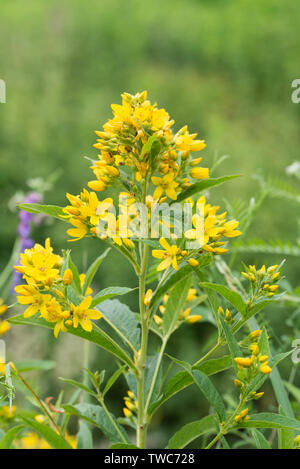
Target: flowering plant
point(152, 170)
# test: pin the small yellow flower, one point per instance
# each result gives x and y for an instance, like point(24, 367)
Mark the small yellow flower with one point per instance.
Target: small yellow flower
point(82, 314)
point(169, 255)
point(68, 277)
point(199, 173)
point(243, 362)
point(3, 307)
point(265, 369)
point(255, 334)
point(127, 412)
point(193, 318)
point(148, 297)
point(193, 262)
point(4, 327)
point(165, 184)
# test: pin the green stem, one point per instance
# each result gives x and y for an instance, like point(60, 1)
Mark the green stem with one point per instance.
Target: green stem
point(227, 424)
point(141, 423)
point(159, 359)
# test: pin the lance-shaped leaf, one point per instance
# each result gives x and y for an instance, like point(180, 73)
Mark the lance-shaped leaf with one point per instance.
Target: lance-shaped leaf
point(96, 415)
point(183, 379)
point(270, 420)
point(109, 292)
point(34, 365)
point(233, 297)
point(8, 438)
point(233, 346)
point(84, 437)
point(193, 430)
point(206, 387)
point(92, 270)
point(99, 338)
point(55, 440)
point(123, 320)
point(204, 185)
point(51, 210)
point(176, 301)
point(210, 392)
point(260, 440)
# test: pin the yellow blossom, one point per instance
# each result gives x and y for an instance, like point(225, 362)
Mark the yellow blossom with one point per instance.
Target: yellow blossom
point(169, 255)
point(82, 314)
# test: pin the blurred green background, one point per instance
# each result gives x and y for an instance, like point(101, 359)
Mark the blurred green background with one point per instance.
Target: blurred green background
point(223, 67)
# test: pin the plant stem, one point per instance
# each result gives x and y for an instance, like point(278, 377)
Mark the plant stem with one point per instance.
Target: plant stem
point(224, 430)
point(141, 424)
point(159, 359)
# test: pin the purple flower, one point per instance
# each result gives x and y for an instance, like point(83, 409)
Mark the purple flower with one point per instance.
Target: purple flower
point(24, 230)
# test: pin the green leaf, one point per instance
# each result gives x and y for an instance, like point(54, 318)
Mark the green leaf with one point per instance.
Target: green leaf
point(203, 186)
point(191, 431)
point(210, 392)
point(233, 346)
point(96, 415)
point(123, 446)
point(8, 438)
point(53, 438)
point(270, 420)
point(100, 339)
point(183, 379)
point(112, 379)
point(79, 385)
point(260, 440)
point(76, 279)
point(51, 210)
point(147, 147)
point(183, 273)
point(149, 371)
point(233, 297)
point(285, 436)
point(123, 319)
point(176, 301)
point(108, 293)
point(92, 270)
point(34, 365)
point(84, 437)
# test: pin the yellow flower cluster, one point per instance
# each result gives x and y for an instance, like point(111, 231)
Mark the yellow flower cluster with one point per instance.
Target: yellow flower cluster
point(212, 227)
point(226, 314)
point(263, 281)
point(45, 290)
point(184, 315)
point(131, 405)
point(122, 141)
point(249, 367)
point(242, 416)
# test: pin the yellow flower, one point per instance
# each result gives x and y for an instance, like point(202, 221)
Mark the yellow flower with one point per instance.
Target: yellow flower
point(243, 362)
point(193, 318)
point(193, 262)
point(52, 311)
point(3, 307)
point(40, 264)
point(165, 184)
point(82, 314)
point(148, 297)
point(265, 369)
point(169, 255)
point(4, 327)
point(7, 412)
point(68, 277)
point(199, 173)
point(30, 295)
point(33, 441)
